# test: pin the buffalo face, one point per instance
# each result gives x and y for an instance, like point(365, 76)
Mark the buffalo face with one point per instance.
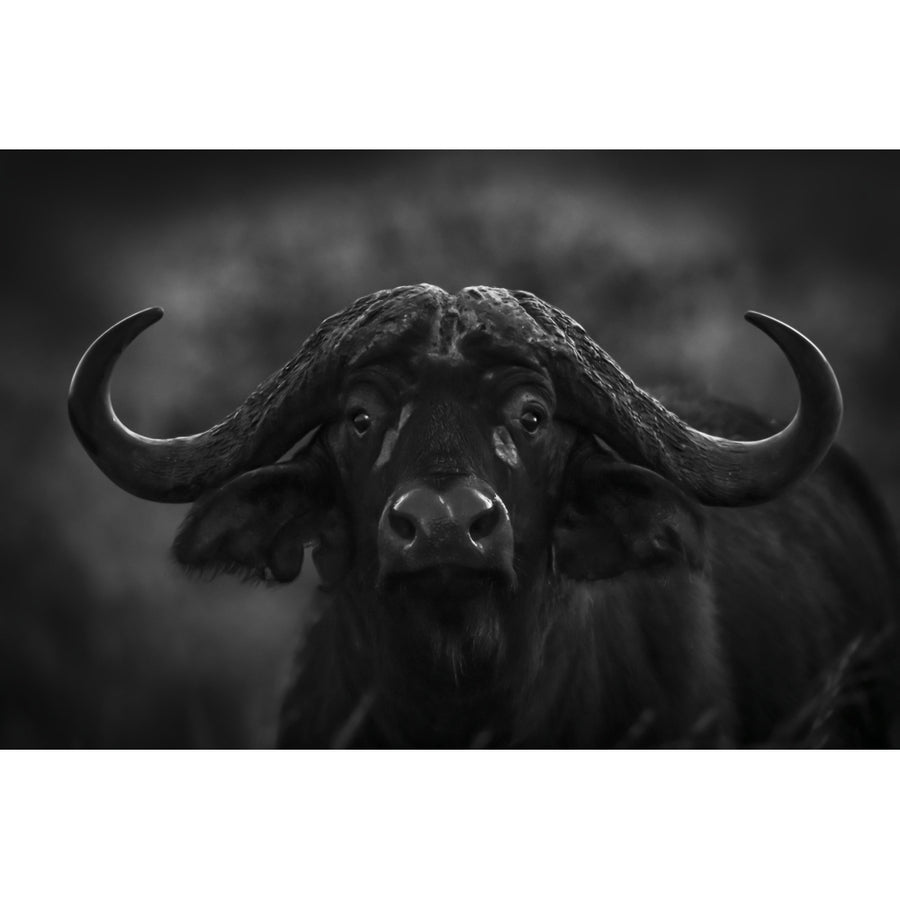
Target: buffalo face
point(442, 501)
point(461, 455)
point(448, 477)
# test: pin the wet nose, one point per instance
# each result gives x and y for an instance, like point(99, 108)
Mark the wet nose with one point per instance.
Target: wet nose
point(463, 525)
point(460, 514)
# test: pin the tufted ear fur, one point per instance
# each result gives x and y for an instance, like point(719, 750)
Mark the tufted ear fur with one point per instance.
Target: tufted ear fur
point(256, 524)
point(616, 517)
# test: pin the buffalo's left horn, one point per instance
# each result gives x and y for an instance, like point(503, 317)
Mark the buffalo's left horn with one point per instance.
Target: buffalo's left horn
point(717, 471)
point(723, 472)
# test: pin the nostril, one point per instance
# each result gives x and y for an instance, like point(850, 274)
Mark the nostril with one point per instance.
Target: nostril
point(485, 523)
point(401, 525)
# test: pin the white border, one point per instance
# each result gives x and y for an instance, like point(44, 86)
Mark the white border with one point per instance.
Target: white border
point(444, 824)
point(480, 74)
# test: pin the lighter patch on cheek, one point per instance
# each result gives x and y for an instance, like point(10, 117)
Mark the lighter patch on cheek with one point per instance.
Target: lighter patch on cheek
point(387, 447)
point(302, 444)
point(505, 447)
point(390, 437)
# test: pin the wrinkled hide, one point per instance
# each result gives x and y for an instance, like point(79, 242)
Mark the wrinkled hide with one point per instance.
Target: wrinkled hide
point(518, 547)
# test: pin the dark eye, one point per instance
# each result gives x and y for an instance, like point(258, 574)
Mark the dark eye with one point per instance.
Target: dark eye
point(361, 421)
point(531, 420)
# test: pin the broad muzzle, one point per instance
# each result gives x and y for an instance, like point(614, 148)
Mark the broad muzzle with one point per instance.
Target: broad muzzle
point(463, 524)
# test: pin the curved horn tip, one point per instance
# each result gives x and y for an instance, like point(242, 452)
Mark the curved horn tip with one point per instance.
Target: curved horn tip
point(789, 338)
point(810, 366)
point(133, 325)
point(95, 363)
point(129, 328)
point(780, 331)
point(752, 316)
point(766, 323)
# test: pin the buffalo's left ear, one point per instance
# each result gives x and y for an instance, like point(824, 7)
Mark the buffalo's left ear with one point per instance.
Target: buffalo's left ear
point(616, 517)
point(256, 524)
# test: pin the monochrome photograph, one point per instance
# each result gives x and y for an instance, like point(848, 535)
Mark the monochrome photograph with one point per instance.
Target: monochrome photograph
point(450, 449)
point(506, 395)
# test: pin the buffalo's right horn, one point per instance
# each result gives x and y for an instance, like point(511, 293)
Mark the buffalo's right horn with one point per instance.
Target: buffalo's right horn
point(179, 469)
point(284, 408)
point(174, 470)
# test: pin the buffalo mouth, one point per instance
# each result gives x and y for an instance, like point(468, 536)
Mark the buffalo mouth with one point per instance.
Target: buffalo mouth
point(448, 589)
point(455, 614)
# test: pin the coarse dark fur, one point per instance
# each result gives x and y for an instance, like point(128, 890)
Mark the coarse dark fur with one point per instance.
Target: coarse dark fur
point(783, 637)
point(604, 606)
point(770, 625)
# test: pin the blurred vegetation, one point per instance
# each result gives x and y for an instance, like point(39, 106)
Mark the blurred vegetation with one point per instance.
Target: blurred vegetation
point(102, 641)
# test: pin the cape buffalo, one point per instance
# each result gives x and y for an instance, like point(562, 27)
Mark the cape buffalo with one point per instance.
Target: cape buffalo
point(518, 547)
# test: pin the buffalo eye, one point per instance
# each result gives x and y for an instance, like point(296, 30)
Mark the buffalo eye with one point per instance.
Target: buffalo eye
point(526, 410)
point(361, 421)
point(531, 420)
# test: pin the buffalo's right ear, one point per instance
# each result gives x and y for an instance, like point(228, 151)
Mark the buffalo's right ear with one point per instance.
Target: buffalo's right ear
point(256, 524)
point(617, 517)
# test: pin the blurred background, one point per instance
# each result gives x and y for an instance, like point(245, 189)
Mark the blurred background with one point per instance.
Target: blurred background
point(103, 642)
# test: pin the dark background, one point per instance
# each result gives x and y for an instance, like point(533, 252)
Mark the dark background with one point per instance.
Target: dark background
point(102, 641)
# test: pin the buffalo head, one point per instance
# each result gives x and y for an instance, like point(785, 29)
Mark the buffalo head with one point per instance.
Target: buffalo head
point(449, 456)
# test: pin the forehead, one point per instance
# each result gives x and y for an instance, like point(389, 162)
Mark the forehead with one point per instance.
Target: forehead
point(477, 329)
